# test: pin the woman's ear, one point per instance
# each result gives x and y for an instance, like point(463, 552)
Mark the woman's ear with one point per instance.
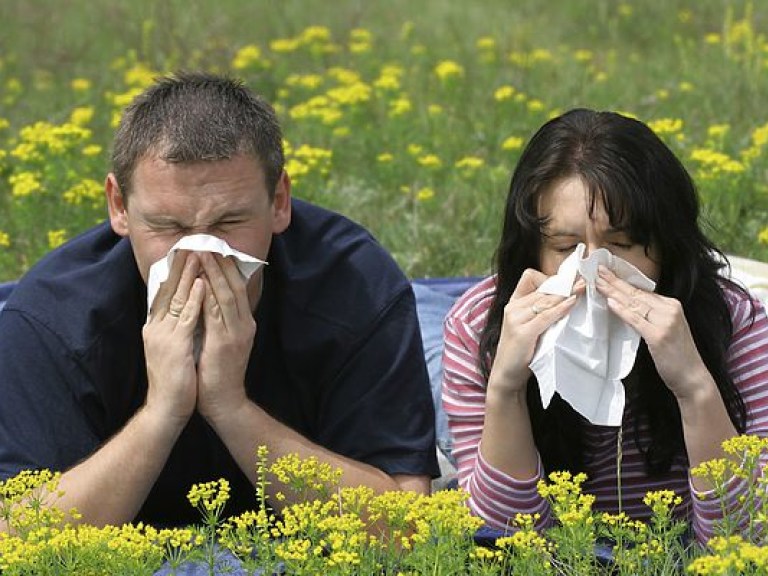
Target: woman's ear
point(118, 215)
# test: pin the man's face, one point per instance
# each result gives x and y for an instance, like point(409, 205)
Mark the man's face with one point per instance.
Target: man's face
point(223, 198)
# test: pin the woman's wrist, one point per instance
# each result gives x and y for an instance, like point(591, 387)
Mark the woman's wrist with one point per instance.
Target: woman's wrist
point(506, 394)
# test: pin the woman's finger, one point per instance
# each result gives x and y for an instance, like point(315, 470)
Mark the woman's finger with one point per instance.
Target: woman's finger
point(529, 282)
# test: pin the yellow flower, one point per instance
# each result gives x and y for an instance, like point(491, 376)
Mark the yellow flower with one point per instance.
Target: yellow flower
point(350, 94)
point(139, 76)
point(430, 161)
point(92, 150)
point(246, 57)
point(5, 239)
point(486, 43)
point(310, 81)
point(344, 76)
point(399, 106)
point(414, 149)
point(86, 190)
point(716, 469)
point(747, 445)
point(762, 238)
point(503, 93)
point(512, 143)
point(583, 55)
point(359, 40)
point(386, 158)
point(425, 194)
point(56, 238)
point(714, 163)
point(81, 116)
point(713, 38)
point(434, 109)
point(665, 126)
point(315, 34)
point(24, 183)
point(80, 84)
point(389, 78)
point(209, 496)
point(661, 502)
point(469, 163)
point(341, 131)
point(13, 86)
point(360, 35)
point(760, 135)
point(283, 45)
point(448, 69)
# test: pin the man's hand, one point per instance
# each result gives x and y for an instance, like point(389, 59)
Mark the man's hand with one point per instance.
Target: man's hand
point(227, 341)
point(168, 338)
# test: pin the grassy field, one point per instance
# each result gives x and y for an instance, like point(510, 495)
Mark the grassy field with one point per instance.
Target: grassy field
point(407, 116)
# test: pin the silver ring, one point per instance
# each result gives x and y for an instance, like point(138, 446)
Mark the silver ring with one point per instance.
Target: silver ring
point(645, 316)
point(174, 313)
point(536, 310)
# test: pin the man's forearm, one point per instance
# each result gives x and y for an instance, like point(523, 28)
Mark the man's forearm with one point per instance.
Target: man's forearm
point(249, 427)
point(110, 486)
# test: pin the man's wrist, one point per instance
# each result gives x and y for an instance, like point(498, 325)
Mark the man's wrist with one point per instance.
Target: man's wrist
point(159, 424)
point(222, 411)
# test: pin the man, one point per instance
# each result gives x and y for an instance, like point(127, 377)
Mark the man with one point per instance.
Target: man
point(318, 353)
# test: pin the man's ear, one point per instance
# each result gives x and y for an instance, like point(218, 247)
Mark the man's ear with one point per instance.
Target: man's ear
point(281, 204)
point(118, 216)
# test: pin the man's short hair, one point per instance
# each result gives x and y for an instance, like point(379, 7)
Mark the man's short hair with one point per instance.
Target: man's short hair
point(197, 117)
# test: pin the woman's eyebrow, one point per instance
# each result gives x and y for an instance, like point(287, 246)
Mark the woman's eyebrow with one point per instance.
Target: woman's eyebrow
point(560, 234)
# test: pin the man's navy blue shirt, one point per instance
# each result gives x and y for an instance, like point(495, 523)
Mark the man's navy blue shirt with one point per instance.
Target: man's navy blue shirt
point(337, 357)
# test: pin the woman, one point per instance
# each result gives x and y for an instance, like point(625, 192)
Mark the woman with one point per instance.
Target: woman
point(701, 372)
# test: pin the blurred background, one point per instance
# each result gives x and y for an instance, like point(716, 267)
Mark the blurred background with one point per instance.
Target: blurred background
point(407, 116)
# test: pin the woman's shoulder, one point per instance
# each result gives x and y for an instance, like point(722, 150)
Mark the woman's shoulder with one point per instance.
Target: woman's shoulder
point(473, 305)
point(745, 306)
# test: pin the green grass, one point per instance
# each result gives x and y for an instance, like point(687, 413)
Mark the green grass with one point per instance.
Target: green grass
point(704, 63)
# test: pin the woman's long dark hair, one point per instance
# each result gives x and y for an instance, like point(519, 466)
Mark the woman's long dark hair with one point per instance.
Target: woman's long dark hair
point(646, 191)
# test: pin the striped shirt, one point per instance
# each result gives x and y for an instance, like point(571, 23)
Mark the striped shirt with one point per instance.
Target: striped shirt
point(497, 497)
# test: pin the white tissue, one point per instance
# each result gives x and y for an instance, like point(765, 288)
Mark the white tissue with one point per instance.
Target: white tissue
point(584, 356)
point(158, 272)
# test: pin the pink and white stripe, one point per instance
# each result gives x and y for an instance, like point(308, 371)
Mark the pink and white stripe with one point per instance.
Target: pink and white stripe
point(497, 497)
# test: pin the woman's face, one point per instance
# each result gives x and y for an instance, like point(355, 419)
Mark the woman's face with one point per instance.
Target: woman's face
point(565, 206)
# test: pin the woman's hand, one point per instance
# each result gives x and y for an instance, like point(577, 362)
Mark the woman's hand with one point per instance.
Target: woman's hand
point(526, 316)
point(660, 321)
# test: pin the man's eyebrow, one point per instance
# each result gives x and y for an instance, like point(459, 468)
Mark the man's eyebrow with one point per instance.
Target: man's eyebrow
point(160, 220)
point(234, 213)
point(166, 220)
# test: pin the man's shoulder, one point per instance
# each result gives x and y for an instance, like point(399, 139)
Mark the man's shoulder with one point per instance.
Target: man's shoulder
point(315, 231)
point(333, 267)
point(90, 280)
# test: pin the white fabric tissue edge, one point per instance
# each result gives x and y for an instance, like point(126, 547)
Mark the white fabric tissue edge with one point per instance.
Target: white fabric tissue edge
point(584, 356)
point(158, 272)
